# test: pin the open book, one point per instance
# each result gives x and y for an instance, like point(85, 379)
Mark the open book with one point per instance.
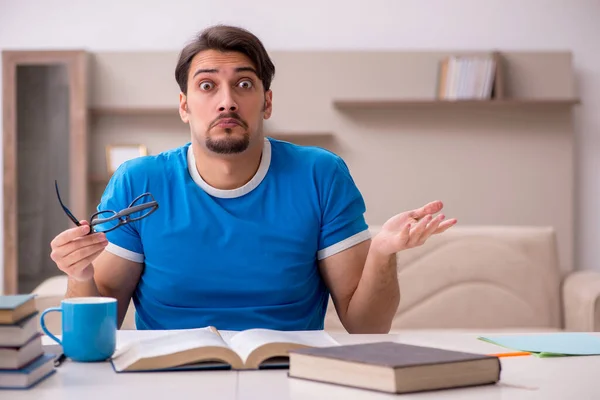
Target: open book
point(207, 348)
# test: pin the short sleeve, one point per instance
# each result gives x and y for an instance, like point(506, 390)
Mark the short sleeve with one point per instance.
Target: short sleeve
point(343, 224)
point(124, 241)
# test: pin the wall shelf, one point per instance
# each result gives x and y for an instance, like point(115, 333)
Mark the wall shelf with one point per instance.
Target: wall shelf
point(505, 103)
point(299, 135)
point(141, 111)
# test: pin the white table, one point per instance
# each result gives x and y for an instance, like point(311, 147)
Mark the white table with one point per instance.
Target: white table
point(521, 378)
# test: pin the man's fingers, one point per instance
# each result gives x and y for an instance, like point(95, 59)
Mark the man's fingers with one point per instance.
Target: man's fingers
point(78, 270)
point(419, 230)
point(403, 236)
point(83, 253)
point(77, 243)
point(429, 208)
point(82, 264)
point(431, 228)
point(427, 227)
point(445, 225)
point(69, 235)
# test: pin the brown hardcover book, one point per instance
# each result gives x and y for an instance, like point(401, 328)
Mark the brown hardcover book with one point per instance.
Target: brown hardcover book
point(394, 367)
point(15, 308)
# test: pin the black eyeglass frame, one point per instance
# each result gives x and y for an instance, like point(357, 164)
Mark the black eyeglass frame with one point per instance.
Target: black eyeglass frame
point(123, 216)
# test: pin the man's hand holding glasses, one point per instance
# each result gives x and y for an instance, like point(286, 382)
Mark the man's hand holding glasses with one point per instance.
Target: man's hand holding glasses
point(74, 250)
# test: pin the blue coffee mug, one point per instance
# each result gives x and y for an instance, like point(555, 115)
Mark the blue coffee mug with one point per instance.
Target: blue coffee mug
point(89, 327)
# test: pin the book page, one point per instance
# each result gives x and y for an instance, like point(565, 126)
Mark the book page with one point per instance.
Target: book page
point(170, 342)
point(247, 341)
point(126, 338)
point(228, 335)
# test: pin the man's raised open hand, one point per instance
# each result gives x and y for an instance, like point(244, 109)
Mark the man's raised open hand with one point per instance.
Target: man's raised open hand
point(411, 228)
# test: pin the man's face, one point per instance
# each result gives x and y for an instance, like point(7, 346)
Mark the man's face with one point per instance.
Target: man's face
point(225, 103)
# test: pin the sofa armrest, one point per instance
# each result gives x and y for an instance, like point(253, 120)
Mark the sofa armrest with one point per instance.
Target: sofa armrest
point(581, 301)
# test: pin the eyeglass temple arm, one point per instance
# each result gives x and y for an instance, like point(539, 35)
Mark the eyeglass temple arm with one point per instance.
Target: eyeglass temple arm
point(65, 209)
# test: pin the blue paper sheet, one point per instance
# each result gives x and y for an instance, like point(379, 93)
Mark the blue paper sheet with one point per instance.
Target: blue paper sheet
point(550, 344)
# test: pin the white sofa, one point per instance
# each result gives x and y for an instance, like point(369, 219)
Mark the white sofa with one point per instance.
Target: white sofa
point(470, 277)
point(491, 277)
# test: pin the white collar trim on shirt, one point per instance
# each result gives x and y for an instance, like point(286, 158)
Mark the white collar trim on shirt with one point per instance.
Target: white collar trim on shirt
point(263, 168)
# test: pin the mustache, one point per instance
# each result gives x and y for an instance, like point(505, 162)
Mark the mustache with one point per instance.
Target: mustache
point(230, 115)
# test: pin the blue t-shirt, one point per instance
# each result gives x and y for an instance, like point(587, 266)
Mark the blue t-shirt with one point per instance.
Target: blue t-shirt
point(242, 258)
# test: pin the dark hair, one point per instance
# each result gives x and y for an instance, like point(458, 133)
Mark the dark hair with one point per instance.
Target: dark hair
point(225, 38)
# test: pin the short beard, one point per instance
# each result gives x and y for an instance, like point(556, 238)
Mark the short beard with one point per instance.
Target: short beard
point(228, 145)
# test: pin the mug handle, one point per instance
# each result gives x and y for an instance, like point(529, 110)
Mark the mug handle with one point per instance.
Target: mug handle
point(43, 323)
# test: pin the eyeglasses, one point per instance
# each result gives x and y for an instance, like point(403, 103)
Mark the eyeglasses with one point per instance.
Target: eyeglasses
point(108, 220)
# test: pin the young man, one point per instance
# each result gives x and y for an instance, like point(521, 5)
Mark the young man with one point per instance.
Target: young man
point(250, 231)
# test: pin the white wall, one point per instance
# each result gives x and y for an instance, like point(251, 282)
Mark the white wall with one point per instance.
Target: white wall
point(392, 24)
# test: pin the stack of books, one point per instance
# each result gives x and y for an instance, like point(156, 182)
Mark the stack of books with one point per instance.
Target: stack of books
point(467, 77)
point(23, 362)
